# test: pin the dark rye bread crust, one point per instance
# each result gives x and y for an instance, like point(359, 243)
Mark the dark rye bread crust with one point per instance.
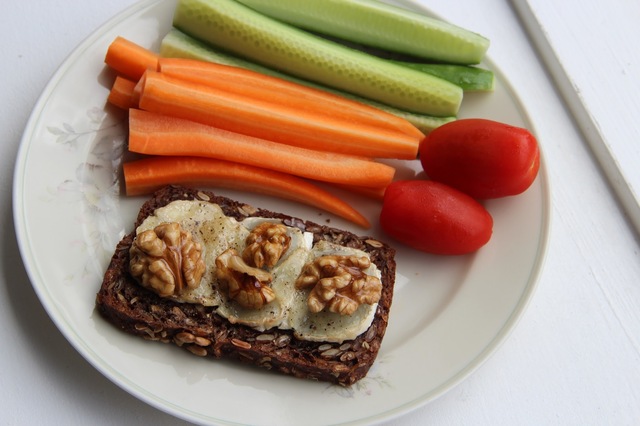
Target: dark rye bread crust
point(200, 330)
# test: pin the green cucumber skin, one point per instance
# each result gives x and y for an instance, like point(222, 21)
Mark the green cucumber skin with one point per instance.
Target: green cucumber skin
point(176, 44)
point(380, 25)
point(240, 30)
point(469, 78)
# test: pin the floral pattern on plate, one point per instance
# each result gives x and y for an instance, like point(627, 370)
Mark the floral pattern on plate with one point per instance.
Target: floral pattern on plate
point(95, 184)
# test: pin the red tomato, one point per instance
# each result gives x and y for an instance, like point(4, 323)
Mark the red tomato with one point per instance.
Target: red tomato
point(483, 158)
point(435, 218)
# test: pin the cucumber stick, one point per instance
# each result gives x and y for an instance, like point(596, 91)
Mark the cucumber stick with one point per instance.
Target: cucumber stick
point(177, 44)
point(381, 25)
point(236, 28)
point(469, 78)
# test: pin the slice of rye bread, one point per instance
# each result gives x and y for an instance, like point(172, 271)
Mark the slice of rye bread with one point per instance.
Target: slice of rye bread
point(200, 330)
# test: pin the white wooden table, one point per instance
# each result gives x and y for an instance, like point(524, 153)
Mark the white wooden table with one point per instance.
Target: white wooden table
point(574, 358)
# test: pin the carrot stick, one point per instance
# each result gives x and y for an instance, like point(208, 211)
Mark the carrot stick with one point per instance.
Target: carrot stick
point(263, 119)
point(252, 84)
point(156, 134)
point(130, 59)
point(375, 193)
point(121, 93)
point(149, 174)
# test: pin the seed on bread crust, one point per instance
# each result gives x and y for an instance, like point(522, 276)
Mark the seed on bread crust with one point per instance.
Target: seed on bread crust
point(149, 333)
point(330, 353)
point(265, 362)
point(247, 210)
point(203, 196)
point(197, 350)
point(184, 337)
point(201, 341)
point(345, 346)
point(282, 341)
point(371, 333)
point(265, 337)
point(241, 344)
point(374, 243)
point(347, 356)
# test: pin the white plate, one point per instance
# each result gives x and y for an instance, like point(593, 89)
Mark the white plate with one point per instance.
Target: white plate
point(449, 313)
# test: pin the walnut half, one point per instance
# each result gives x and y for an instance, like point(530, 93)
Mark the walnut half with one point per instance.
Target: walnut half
point(266, 244)
point(248, 286)
point(166, 259)
point(339, 284)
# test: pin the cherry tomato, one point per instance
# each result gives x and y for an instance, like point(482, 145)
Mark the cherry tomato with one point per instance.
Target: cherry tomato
point(483, 158)
point(434, 217)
